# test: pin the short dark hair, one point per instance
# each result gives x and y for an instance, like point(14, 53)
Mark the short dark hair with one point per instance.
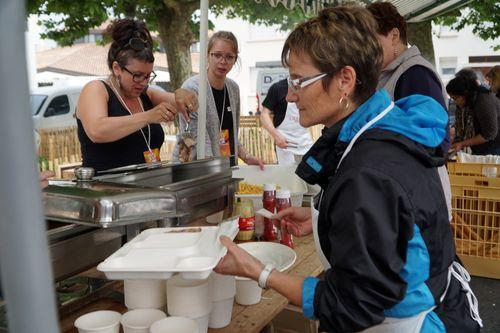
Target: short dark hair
point(338, 37)
point(388, 18)
point(467, 73)
point(121, 31)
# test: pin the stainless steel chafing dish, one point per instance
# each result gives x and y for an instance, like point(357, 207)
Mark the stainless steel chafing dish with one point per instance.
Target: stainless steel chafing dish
point(100, 214)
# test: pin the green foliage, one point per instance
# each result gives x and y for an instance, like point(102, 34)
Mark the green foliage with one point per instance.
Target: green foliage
point(482, 15)
point(259, 13)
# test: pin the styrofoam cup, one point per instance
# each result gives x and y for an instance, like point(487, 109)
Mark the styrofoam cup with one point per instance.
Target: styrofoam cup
point(140, 320)
point(99, 322)
point(202, 323)
point(145, 294)
point(248, 291)
point(221, 313)
point(221, 286)
point(189, 298)
point(175, 325)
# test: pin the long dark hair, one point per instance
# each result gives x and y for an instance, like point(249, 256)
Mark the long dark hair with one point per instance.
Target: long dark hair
point(465, 87)
point(121, 31)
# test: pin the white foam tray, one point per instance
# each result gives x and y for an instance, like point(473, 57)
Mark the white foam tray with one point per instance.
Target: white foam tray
point(158, 253)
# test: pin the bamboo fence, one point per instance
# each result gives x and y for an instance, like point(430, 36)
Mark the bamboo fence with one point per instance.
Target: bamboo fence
point(60, 148)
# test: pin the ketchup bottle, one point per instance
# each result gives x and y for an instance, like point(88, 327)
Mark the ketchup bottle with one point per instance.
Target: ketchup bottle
point(283, 201)
point(269, 203)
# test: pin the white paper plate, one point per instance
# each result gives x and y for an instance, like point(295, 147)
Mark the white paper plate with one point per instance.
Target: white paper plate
point(158, 253)
point(281, 256)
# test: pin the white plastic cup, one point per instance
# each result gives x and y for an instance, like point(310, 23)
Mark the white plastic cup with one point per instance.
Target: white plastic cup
point(221, 313)
point(175, 325)
point(99, 322)
point(222, 286)
point(145, 294)
point(248, 291)
point(140, 320)
point(188, 298)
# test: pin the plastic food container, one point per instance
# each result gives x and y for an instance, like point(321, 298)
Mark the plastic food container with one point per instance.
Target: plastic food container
point(156, 254)
point(99, 322)
point(139, 321)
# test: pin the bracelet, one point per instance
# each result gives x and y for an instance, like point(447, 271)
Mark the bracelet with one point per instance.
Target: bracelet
point(264, 275)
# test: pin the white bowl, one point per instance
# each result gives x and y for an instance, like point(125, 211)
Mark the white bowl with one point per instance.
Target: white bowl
point(99, 322)
point(221, 313)
point(248, 291)
point(140, 320)
point(144, 294)
point(175, 325)
point(221, 286)
point(188, 297)
point(281, 256)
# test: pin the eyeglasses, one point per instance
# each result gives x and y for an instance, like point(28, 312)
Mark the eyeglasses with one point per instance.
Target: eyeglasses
point(297, 84)
point(139, 78)
point(229, 58)
point(136, 44)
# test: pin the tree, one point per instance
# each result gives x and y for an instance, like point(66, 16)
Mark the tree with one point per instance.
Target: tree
point(482, 15)
point(174, 20)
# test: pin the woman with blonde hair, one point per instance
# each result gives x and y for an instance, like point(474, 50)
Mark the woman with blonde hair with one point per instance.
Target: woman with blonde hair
point(223, 105)
point(381, 229)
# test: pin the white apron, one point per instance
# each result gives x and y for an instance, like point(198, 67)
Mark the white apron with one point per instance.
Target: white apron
point(398, 325)
point(295, 134)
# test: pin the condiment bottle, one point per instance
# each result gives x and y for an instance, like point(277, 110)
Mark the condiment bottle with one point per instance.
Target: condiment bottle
point(283, 201)
point(246, 221)
point(269, 203)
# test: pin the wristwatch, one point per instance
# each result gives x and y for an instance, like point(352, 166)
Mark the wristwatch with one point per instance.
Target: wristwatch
point(264, 275)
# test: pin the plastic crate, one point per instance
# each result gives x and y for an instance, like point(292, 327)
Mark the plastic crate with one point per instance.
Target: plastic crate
point(476, 227)
point(470, 169)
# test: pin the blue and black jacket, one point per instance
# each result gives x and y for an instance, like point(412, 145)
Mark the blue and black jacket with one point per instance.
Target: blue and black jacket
point(383, 222)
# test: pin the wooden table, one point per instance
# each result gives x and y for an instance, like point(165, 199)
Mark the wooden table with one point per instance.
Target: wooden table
point(245, 319)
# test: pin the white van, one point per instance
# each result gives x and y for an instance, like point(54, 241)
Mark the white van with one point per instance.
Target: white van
point(54, 106)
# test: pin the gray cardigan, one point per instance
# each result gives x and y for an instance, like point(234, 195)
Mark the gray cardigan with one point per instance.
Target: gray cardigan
point(213, 123)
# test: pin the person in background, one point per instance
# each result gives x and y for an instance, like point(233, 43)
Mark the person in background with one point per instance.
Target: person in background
point(493, 77)
point(119, 119)
point(481, 132)
point(223, 103)
point(290, 138)
point(382, 230)
point(406, 72)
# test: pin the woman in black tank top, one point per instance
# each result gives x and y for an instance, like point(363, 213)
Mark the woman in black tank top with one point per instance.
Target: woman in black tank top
point(119, 119)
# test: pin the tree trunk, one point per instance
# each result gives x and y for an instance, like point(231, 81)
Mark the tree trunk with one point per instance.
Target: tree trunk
point(420, 34)
point(176, 35)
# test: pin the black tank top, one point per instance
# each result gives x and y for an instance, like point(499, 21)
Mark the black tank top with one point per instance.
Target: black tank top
point(126, 151)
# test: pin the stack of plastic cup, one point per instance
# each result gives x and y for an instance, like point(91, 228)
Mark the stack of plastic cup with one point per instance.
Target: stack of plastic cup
point(175, 325)
point(145, 294)
point(223, 288)
point(191, 299)
point(248, 291)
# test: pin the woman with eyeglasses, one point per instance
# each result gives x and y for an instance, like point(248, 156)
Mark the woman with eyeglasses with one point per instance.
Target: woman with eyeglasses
point(381, 229)
point(119, 118)
point(223, 105)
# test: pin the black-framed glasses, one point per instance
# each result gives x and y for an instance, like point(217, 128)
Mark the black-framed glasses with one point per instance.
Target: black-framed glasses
point(139, 78)
point(229, 58)
point(136, 44)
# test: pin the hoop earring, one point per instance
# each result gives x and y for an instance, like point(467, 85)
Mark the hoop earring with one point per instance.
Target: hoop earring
point(342, 100)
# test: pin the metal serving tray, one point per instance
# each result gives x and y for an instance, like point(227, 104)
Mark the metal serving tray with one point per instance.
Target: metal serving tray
point(104, 204)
